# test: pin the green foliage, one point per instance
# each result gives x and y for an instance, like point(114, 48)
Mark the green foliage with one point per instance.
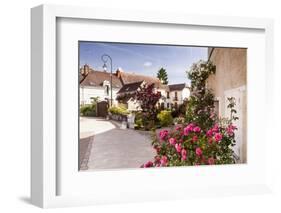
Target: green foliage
point(118, 110)
point(165, 118)
point(139, 120)
point(181, 110)
point(231, 106)
point(200, 108)
point(89, 109)
point(162, 76)
point(179, 120)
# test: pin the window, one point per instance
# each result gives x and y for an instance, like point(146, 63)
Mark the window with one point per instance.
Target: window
point(107, 89)
point(168, 105)
point(162, 105)
point(168, 94)
point(176, 96)
point(176, 105)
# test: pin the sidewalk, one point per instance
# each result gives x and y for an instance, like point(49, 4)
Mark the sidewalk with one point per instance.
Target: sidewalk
point(114, 148)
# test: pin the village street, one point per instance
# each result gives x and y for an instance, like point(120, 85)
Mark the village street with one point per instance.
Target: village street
point(104, 145)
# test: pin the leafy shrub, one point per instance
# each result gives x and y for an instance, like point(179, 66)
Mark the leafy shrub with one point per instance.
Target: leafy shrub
point(118, 110)
point(88, 110)
point(139, 120)
point(179, 120)
point(165, 118)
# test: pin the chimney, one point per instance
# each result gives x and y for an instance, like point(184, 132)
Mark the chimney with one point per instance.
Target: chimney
point(118, 72)
point(86, 69)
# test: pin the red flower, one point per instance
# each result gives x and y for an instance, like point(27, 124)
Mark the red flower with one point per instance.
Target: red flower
point(209, 133)
point(194, 138)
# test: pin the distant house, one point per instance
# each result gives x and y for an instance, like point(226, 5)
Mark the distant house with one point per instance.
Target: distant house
point(97, 84)
point(124, 85)
point(230, 80)
point(176, 94)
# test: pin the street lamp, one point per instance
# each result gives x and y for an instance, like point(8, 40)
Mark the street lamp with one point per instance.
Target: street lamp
point(105, 58)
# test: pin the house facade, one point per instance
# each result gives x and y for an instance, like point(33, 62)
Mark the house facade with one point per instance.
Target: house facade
point(230, 80)
point(173, 95)
point(97, 84)
point(124, 86)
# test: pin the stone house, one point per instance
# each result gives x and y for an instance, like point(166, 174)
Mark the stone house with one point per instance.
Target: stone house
point(230, 80)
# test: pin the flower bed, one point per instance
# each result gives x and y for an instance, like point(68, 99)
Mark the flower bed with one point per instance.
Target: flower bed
point(187, 145)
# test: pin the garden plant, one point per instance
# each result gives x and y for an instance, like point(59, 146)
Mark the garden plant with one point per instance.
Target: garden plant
point(204, 139)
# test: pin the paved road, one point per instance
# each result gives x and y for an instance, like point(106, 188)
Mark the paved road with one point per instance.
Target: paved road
point(103, 145)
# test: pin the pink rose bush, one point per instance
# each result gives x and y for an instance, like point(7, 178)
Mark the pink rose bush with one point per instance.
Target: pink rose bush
point(188, 145)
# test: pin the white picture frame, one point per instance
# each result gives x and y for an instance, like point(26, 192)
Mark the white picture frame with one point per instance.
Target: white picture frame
point(45, 169)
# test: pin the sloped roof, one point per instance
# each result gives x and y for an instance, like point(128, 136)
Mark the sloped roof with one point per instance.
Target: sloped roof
point(128, 78)
point(96, 78)
point(174, 87)
point(132, 87)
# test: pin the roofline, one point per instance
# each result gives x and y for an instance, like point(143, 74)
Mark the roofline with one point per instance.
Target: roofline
point(211, 53)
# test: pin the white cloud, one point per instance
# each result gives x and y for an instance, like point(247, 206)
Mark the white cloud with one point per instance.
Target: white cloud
point(147, 64)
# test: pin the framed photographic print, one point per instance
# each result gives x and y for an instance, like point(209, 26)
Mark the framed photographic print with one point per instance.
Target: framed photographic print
point(149, 106)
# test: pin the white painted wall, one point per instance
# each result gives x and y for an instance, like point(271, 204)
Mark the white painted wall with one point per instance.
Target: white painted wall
point(87, 92)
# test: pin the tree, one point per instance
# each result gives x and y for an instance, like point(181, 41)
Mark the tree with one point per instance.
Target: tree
point(162, 76)
point(147, 98)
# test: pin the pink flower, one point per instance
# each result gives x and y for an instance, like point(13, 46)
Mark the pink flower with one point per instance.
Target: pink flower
point(209, 133)
point(211, 161)
point(172, 141)
point(194, 138)
point(186, 131)
point(163, 134)
point(183, 154)
point(196, 129)
point(178, 147)
point(216, 128)
point(164, 160)
point(218, 137)
point(230, 129)
point(198, 151)
point(188, 128)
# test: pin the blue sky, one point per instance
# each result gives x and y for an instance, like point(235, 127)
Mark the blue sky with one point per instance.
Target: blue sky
point(143, 59)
